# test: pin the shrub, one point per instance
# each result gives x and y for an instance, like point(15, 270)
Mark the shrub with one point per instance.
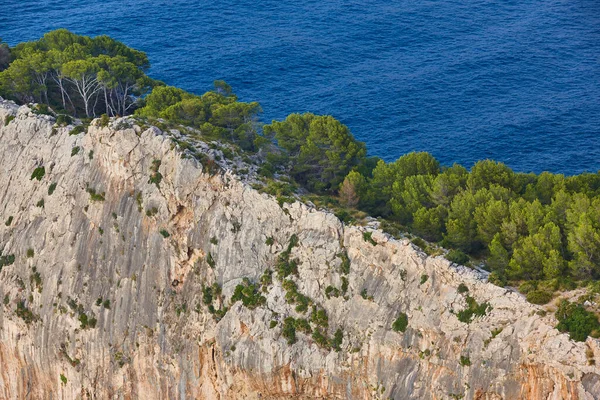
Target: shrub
point(497, 278)
point(104, 120)
point(424, 278)
point(25, 313)
point(51, 188)
point(465, 361)
point(77, 130)
point(249, 294)
point(457, 256)
point(95, 196)
point(8, 119)
point(419, 243)
point(303, 326)
point(320, 339)
point(164, 233)
point(462, 288)
point(473, 310)
point(337, 340)
point(9, 221)
point(401, 323)
point(345, 266)
point(63, 379)
point(577, 321)
point(86, 322)
point(367, 236)
point(30, 253)
point(289, 330)
point(75, 151)
point(38, 173)
point(331, 291)
point(539, 297)
point(214, 240)
point(266, 280)
point(269, 241)
point(210, 260)
point(64, 120)
point(155, 177)
point(319, 317)
point(344, 285)
point(527, 287)
point(42, 109)
point(6, 260)
point(40, 203)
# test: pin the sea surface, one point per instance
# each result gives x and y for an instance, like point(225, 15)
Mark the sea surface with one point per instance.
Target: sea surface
point(514, 81)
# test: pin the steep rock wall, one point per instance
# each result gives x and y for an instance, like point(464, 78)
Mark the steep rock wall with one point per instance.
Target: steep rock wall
point(156, 339)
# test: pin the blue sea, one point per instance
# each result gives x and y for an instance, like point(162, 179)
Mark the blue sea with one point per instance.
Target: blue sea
point(514, 81)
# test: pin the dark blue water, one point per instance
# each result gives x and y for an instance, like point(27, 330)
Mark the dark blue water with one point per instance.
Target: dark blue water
point(515, 81)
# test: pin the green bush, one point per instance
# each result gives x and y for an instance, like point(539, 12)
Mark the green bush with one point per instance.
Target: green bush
point(337, 340)
point(498, 279)
point(401, 323)
point(465, 361)
point(473, 310)
point(527, 287)
point(249, 294)
point(424, 278)
point(289, 330)
point(319, 317)
point(64, 120)
point(462, 288)
point(457, 256)
point(303, 326)
point(104, 120)
point(8, 119)
point(577, 321)
point(367, 236)
point(77, 130)
point(539, 297)
point(155, 177)
point(320, 339)
point(38, 173)
point(331, 291)
point(95, 196)
point(51, 188)
point(165, 233)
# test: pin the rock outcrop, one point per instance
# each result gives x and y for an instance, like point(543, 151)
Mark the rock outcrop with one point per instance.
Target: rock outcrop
point(107, 288)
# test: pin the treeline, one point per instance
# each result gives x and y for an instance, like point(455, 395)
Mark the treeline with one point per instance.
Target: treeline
point(520, 226)
point(75, 74)
point(216, 114)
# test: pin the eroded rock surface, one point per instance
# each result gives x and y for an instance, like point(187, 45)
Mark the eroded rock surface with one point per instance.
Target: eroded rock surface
point(95, 248)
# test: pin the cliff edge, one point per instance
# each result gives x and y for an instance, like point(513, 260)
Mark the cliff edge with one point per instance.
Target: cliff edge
point(121, 250)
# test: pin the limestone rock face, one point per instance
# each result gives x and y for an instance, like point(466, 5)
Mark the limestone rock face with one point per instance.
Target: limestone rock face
point(104, 298)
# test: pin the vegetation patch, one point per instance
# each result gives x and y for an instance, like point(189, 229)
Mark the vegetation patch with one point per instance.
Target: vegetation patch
point(367, 236)
point(249, 294)
point(539, 297)
point(473, 310)
point(401, 323)
point(577, 321)
point(155, 177)
point(94, 196)
point(38, 173)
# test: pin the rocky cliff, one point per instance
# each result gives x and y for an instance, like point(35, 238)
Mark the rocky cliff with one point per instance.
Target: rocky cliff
point(122, 247)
